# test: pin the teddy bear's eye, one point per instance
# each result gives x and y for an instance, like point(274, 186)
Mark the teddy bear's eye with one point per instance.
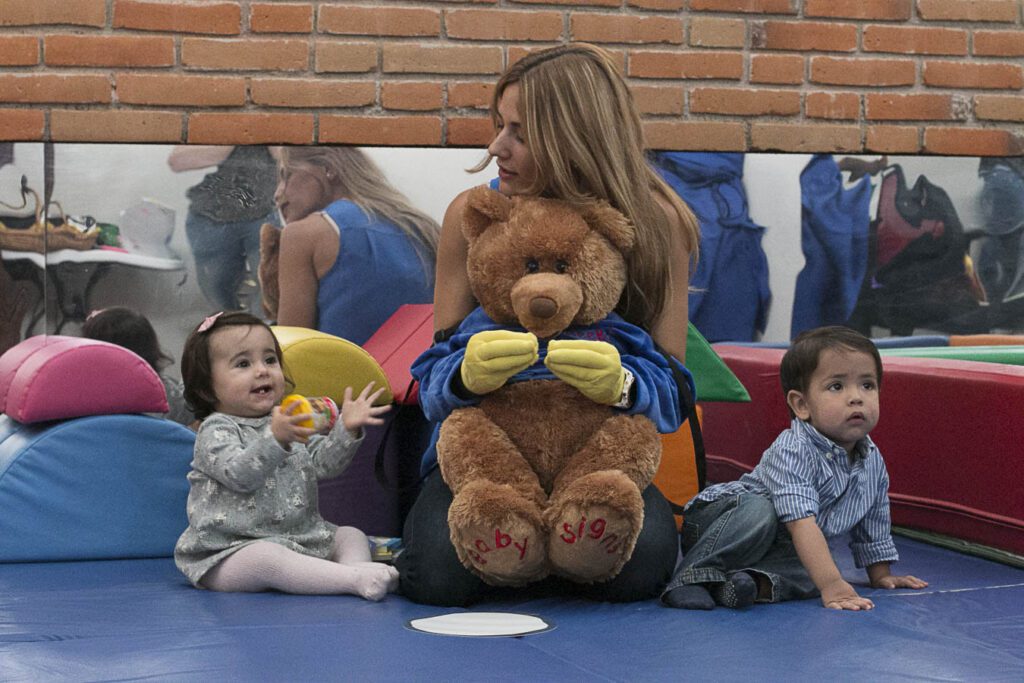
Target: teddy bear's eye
point(561, 266)
point(532, 266)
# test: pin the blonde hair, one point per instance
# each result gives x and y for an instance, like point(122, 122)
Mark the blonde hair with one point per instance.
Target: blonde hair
point(353, 175)
point(583, 130)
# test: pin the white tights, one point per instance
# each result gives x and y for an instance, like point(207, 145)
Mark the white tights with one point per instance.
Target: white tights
point(266, 565)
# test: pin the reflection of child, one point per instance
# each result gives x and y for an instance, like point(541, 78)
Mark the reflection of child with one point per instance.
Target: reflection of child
point(132, 330)
point(764, 537)
point(253, 518)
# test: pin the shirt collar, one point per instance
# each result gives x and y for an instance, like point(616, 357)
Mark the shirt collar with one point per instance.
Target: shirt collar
point(861, 449)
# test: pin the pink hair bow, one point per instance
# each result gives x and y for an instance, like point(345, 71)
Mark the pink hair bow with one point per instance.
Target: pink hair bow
point(209, 321)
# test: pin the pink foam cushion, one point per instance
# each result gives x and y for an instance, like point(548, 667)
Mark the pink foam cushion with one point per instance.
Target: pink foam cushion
point(55, 377)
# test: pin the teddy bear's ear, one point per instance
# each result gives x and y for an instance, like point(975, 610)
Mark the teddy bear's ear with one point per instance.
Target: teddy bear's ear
point(612, 224)
point(484, 206)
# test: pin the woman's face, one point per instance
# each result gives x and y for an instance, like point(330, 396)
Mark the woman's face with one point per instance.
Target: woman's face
point(301, 190)
point(516, 168)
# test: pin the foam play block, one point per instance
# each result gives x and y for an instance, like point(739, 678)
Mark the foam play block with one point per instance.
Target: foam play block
point(677, 475)
point(92, 488)
point(986, 340)
point(322, 364)
point(948, 432)
point(398, 342)
point(1009, 355)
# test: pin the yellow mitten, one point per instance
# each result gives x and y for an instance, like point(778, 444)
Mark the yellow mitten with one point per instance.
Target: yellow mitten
point(494, 356)
point(593, 367)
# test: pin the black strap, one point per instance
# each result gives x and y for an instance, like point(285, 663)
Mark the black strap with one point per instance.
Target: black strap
point(688, 407)
point(378, 460)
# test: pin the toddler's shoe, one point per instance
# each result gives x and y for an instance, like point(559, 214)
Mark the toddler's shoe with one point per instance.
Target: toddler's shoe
point(737, 592)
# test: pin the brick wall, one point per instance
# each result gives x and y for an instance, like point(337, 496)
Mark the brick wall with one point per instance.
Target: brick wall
point(895, 76)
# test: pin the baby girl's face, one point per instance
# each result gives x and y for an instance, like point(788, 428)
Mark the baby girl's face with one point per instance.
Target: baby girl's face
point(247, 376)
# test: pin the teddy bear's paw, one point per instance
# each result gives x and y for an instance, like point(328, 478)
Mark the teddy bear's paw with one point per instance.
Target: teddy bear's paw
point(504, 544)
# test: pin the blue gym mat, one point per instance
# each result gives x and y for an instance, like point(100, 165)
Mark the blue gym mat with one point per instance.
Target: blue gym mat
point(139, 619)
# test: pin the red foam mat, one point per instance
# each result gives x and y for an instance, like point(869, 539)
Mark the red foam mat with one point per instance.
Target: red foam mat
point(950, 431)
point(398, 342)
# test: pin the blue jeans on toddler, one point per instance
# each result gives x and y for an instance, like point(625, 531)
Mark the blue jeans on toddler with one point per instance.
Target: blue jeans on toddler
point(740, 533)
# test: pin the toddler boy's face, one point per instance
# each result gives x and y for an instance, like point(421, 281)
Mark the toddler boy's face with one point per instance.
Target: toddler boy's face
point(841, 400)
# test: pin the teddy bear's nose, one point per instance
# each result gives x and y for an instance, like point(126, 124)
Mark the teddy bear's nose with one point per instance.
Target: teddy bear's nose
point(543, 307)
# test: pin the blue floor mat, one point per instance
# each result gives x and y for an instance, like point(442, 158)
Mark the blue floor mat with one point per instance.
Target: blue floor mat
point(139, 619)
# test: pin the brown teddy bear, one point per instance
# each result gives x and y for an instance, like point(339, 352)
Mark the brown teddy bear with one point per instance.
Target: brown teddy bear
point(552, 399)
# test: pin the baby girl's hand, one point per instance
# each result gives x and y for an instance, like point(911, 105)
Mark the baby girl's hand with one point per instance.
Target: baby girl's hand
point(284, 425)
point(360, 411)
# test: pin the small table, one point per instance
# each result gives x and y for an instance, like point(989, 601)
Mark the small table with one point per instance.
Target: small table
point(68, 267)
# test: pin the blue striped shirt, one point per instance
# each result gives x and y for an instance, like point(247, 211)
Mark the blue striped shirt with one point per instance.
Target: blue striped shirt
point(804, 473)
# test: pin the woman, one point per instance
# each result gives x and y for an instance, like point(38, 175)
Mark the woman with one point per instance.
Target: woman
point(566, 127)
point(353, 249)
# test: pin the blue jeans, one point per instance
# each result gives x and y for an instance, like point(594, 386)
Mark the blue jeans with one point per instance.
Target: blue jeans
point(222, 252)
point(740, 533)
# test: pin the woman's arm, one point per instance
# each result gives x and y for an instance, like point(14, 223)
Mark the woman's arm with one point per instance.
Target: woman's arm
point(670, 329)
point(453, 298)
point(305, 245)
point(191, 157)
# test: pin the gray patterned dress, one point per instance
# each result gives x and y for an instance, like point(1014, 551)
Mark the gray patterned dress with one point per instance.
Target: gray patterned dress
point(246, 488)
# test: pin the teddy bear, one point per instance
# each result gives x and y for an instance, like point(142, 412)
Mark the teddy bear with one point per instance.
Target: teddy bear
point(554, 443)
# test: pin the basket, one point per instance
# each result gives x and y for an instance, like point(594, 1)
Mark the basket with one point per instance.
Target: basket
point(27, 233)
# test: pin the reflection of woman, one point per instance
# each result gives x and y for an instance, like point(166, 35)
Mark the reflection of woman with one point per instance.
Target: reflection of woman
point(353, 249)
point(226, 210)
point(566, 127)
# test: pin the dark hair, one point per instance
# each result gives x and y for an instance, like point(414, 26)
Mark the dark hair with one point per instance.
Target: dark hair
point(801, 360)
point(127, 328)
point(196, 372)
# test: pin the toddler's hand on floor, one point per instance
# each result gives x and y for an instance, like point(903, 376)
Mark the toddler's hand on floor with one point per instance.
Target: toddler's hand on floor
point(284, 425)
point(360, 411)
point(840, 595)
point(890, 582)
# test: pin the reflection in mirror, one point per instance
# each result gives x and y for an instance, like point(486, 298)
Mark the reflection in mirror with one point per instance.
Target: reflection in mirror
point(893, 246)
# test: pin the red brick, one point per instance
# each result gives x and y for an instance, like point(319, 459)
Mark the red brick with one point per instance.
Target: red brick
point(22, 125)
point(807, 138)
point(449, 59)
point(967, 75)
point(999, 107)
point(658, 5)
point(19, 50)
point(617, 28)
point(345, 57)
point(312, 92)
point(703, 64)
point(878, 10)
point(911, 107)
point(63, 88)
point(380, 130)
point(108, 50)
point(893, 140)
point(969, 10)
point(777, 69)
point(412, 96)
point(263, 54)
point(572, 3)
point(488, 24)
point(181, 90)
point(804, 35)
point(912, 40)
point(972, 142)
point(206, 128)
point(863, 72)
point(379, 21)
point(53, 12)
point(114, 126)
point(658, 99)
point(752, 6)
point(466, 131)
point(714, 32)
point(470, 95)
point(218, 18)
point(999, 43)
point(744, 102)
point(265, 17)
point(833, 105)
point(696, 136)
